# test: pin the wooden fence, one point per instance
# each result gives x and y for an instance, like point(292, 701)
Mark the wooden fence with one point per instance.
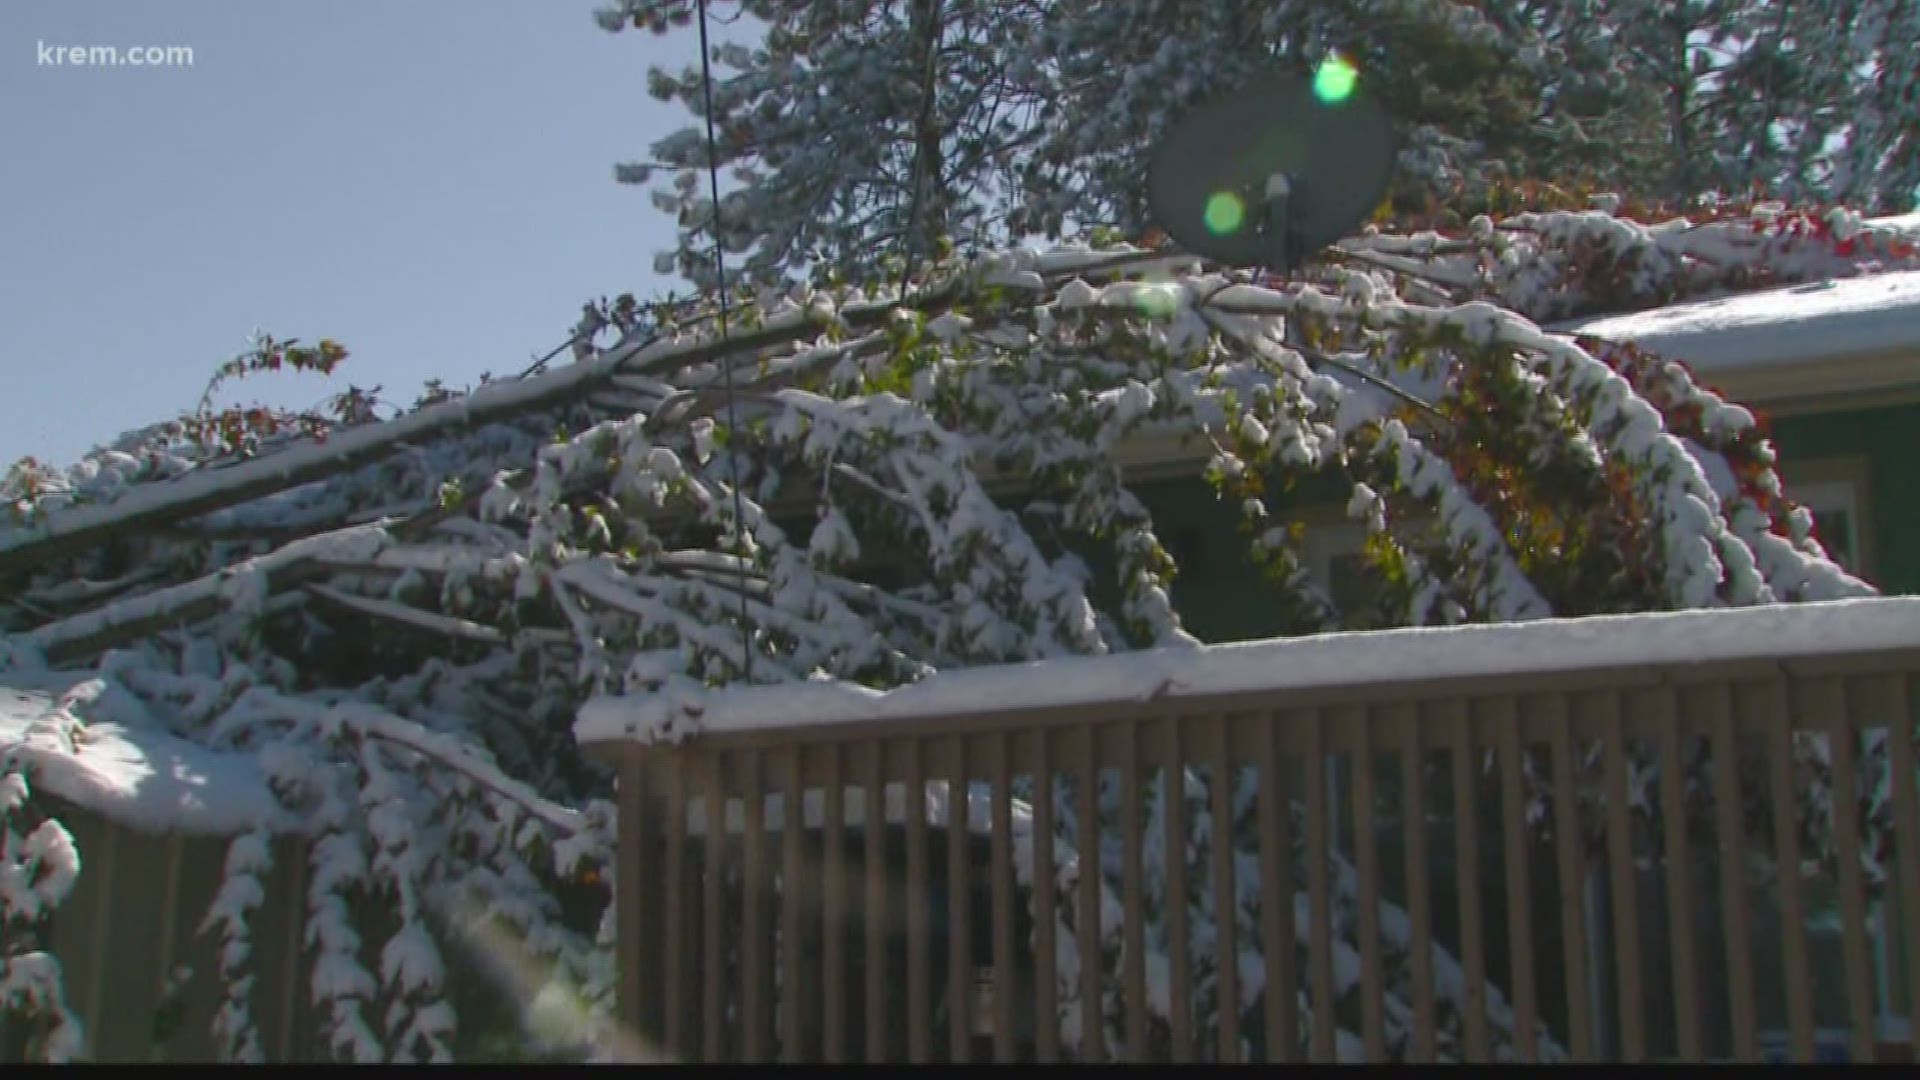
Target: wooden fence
point(1512, 861)
point(145, 980)
point(133, 921)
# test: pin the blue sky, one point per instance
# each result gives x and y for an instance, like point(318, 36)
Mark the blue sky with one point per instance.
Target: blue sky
point(429, 182)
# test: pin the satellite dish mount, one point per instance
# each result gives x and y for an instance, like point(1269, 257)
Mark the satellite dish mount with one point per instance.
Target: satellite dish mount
point(1270, 174)
point(1277, 222)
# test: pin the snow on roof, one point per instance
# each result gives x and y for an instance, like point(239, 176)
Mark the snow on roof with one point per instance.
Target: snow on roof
point(1843, 317)
point(1307, 663)
point(141, 779)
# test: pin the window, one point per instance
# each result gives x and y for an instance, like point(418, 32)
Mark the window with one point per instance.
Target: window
point(1836, 517)
point(1835, 491)
point(1334, 552)
point(1333, 556)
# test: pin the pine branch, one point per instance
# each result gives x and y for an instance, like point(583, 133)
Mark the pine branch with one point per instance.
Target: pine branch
point(1314, 357)
point(282, 534)
point(410, 616)
point(79, 592)
point(128, 619)
point(370, 722)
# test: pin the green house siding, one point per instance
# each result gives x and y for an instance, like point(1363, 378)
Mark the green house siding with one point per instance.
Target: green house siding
point(1221, 599)
point(1218, 592)
point(1889, 439)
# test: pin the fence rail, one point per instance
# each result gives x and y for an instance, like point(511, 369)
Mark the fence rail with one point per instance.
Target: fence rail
point(1560, 865)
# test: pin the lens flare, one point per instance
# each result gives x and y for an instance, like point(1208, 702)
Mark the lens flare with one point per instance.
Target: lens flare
point(1224, 213)
point(1157, 301)
point(1334, 79)
point(556, 1016)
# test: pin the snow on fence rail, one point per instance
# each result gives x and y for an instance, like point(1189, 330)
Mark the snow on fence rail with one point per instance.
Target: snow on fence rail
point(1320, 662)
point(1564, 896)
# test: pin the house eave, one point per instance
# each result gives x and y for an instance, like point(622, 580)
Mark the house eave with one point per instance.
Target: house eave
point(1823, 383)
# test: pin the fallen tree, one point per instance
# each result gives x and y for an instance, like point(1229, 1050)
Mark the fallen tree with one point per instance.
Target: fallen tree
point(397, 622)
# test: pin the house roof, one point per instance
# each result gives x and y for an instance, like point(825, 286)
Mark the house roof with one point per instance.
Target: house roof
point(1850, 316)
point(1809, 346)
point(1837, 335)
point(136, 777)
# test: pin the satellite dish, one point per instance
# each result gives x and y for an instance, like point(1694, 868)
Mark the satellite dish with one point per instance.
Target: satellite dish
point(1273, 172)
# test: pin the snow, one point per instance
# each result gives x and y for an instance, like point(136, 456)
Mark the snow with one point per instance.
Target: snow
point(238, 585)
point(35, 981)
point(1318, 662)
point(141, 779)
point(37, 873)
point(428, 620)
point(1843, 317)
point(1904, 222)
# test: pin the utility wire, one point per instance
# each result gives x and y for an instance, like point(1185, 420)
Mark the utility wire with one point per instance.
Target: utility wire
point(927, 81)
point(726, 369)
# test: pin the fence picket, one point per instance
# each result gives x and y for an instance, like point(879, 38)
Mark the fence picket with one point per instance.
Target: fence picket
point(919, 945)
point(1133, 960)
point(1226, 907)
point(1830, 702)
point(1776, 714)
point(1729, 817)
point(1514, 830)
point(1572, 871)
point(1087, 920)
point(1179, 958)
point(1000, 871)
point(674, 938)
point(1626, 903)
point(1413, 801)
point(1906, 840)
point(833, 921)
point(1320, 939)
point(1046, 1019)
point(1367, 856)
point(959, 905)
point(1673, 812)
point(874, 784)
point(712, 916)
point(756, 886)
point(1276, 900)
point(1466, 833)
point(793, 978)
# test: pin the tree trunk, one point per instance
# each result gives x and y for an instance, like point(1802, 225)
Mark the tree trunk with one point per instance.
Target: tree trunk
point(1679, 95)
point(928, 207)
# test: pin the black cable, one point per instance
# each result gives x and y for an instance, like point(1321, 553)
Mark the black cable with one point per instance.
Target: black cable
point(927, 77)
point(726, 369)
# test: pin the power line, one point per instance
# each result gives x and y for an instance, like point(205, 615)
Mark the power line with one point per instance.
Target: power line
point(927, 78)
point(726, 369)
